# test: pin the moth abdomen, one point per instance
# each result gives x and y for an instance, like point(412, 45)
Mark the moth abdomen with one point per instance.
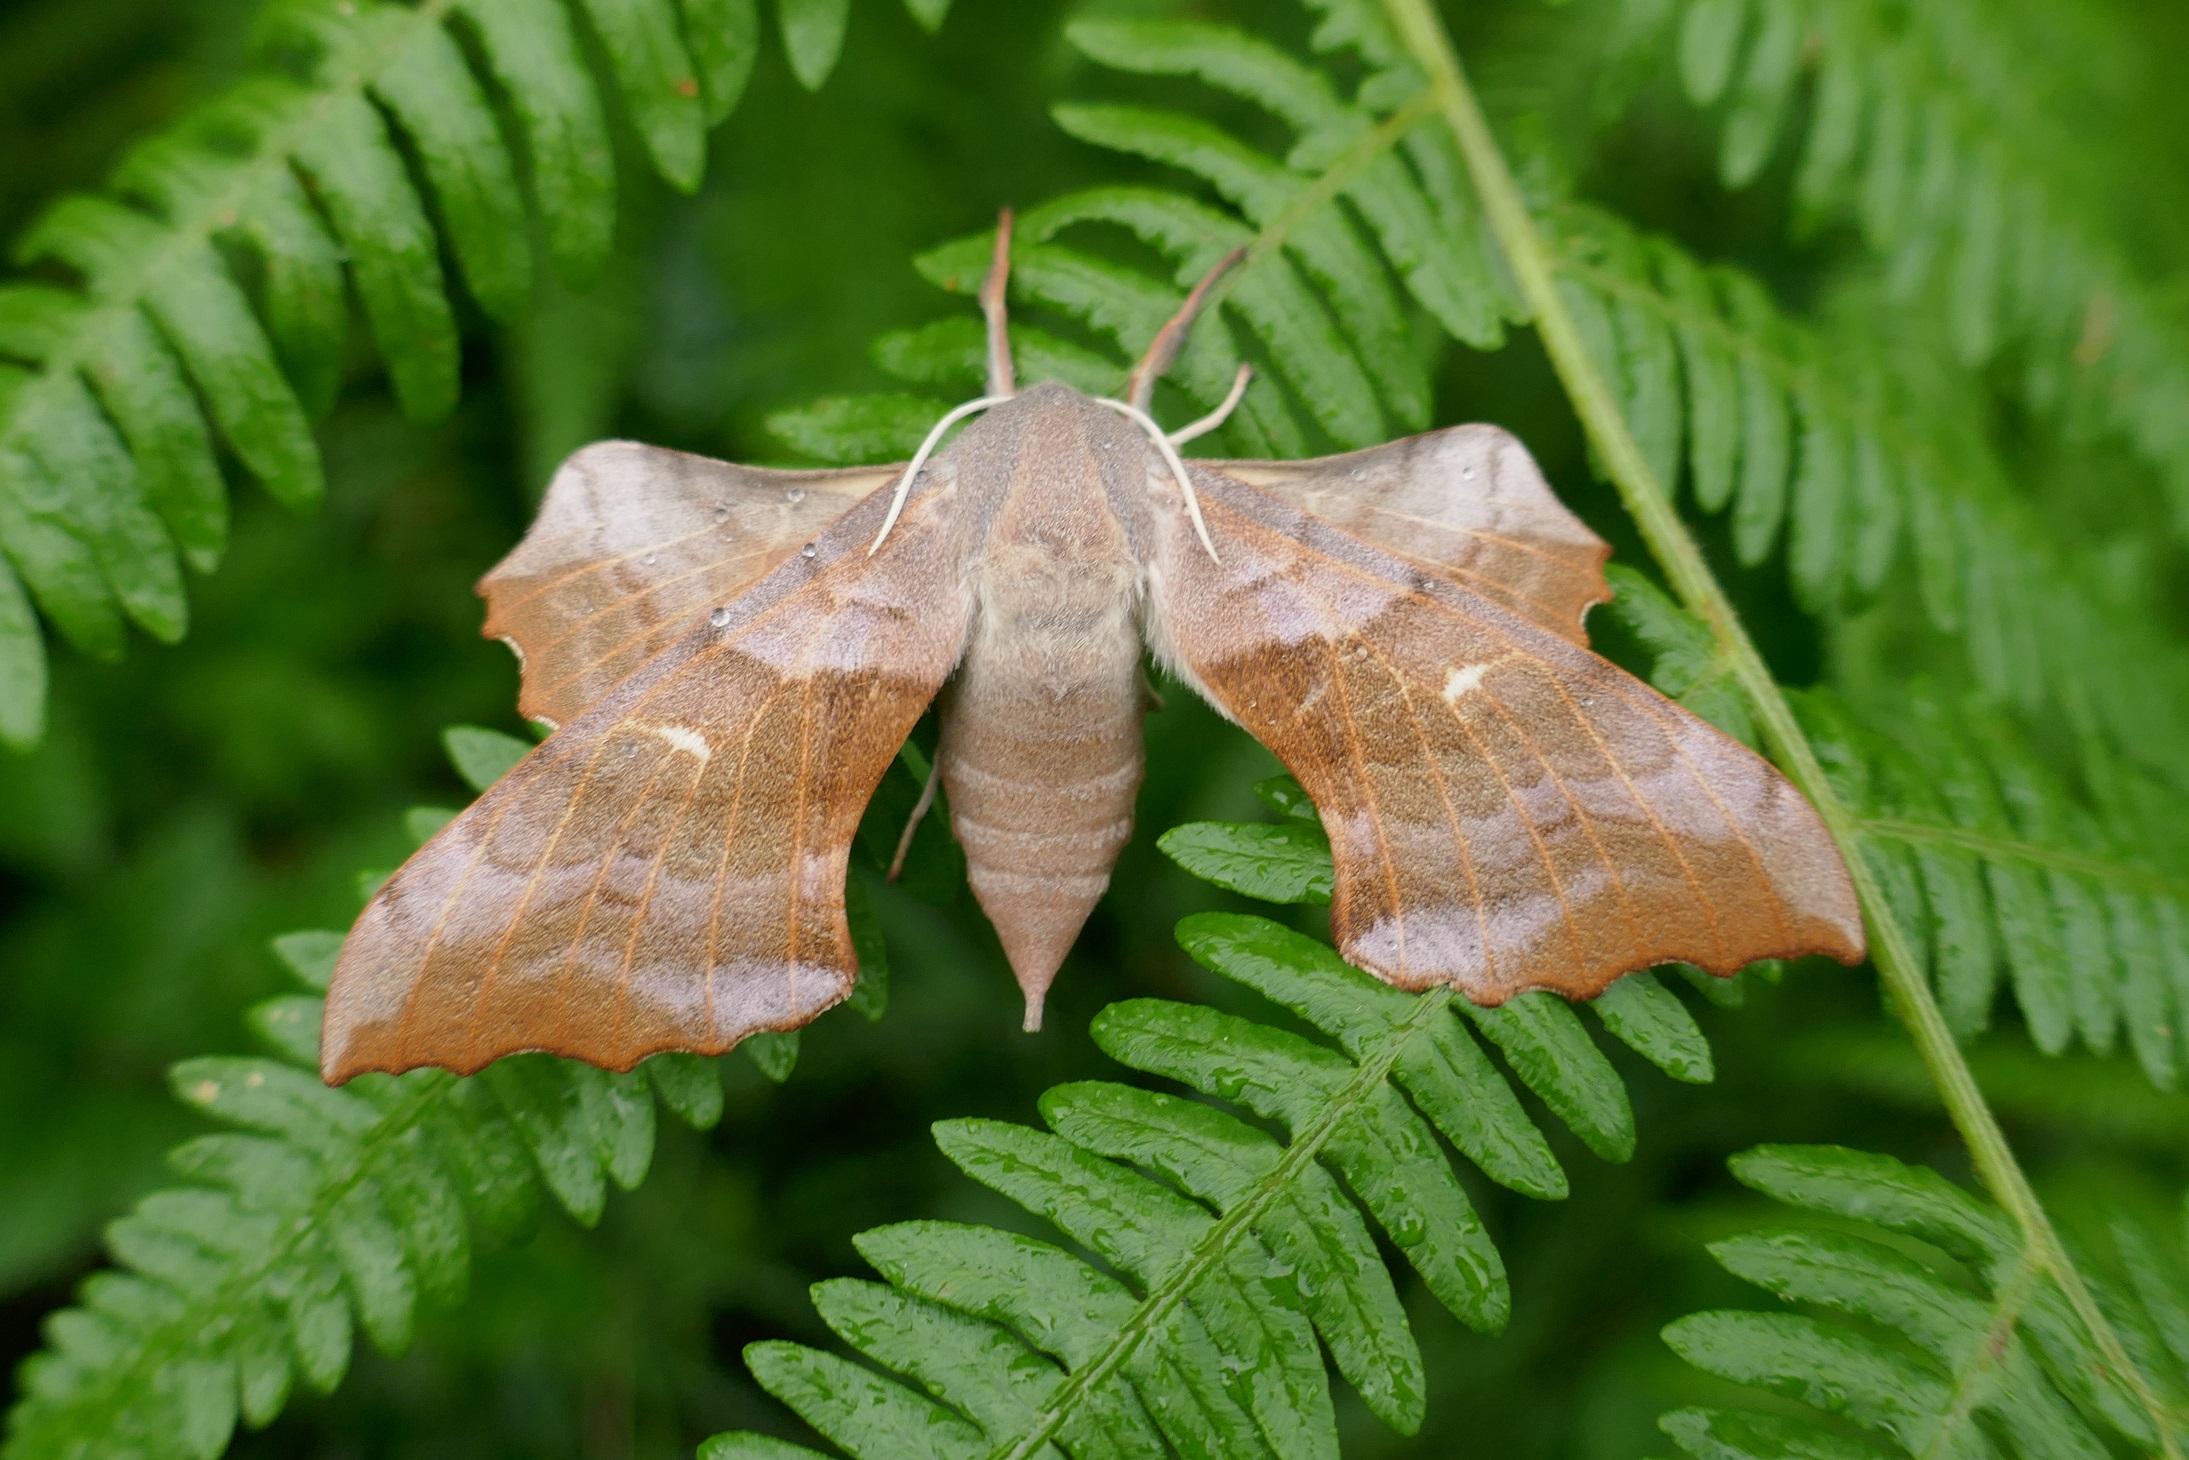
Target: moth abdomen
point(1041, 757)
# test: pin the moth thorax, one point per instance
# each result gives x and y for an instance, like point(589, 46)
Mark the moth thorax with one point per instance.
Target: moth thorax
point(1077, 617)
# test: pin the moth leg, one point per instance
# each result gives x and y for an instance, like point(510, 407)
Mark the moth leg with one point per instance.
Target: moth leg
point(1222, 413)
point(1000, 381)
point(912, 822)
point(1164, 348)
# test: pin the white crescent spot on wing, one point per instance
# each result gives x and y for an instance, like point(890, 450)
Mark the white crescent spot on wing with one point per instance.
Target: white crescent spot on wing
point(1467, 678)
point(1463, 680)
point(683, 738)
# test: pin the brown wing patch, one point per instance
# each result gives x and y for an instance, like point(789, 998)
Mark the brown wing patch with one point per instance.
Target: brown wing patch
point(1467, 503)
point(667, 871)
point(1507, 811)
point(632, 546)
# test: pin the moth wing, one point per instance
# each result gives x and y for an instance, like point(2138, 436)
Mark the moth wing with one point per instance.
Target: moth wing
point(1507, 811)
point(633, 544)
point(1467, 503)
point(667, 870)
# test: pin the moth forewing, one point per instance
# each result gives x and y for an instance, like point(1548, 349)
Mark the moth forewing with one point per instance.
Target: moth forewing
point(633, 544)
point(1507, 811)
point(666, 871)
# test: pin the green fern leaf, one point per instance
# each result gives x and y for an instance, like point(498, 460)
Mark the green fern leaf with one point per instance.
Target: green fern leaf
point(534, 54)
point(393, 255)
point(1959, 1352)
point(850, 430)
point(1940, 129)
point(1311, 293)
point(813, 37)
point(441, 107)
point(1289, 862)
point(482, 756)
point(654, 71)
point(953, 352)
point(724, 36)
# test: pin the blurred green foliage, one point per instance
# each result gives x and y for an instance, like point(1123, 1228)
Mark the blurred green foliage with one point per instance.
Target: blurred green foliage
point(197, 798)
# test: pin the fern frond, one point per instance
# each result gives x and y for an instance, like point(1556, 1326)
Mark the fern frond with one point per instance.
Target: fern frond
point(1842, 451)
point(2000, 871)
point(1237, 1250)
point(318, 1211)
point(1957, 1348)
point(114, 392)
point(1940, 129)
point(1358, 200)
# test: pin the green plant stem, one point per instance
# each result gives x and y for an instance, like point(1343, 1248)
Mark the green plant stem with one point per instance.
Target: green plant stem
point(2007, 849)
point(1678, 555)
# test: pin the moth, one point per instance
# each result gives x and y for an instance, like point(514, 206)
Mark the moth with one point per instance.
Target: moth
point(734, 656)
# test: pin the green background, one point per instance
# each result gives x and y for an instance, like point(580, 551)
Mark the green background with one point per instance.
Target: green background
point(196, 799)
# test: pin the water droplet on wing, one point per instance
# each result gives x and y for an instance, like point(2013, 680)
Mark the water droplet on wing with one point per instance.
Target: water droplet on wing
point(720, 618)
point(796, 495)
point(807, 551)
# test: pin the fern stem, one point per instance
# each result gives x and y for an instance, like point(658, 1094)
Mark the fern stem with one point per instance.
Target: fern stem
point(1306, 1145)
point(1327, 185)
point(1681, 559)
point(2007, 849)
point(1990, 1351)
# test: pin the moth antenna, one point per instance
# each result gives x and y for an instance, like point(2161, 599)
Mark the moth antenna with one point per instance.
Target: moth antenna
point(1000, 381)
point(1221, 414)
point(919, 459)
point(1164, 348)
point(912, 823)
point(1173, 460)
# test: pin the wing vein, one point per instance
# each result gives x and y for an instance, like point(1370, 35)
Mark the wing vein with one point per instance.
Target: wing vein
point(646, 899)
